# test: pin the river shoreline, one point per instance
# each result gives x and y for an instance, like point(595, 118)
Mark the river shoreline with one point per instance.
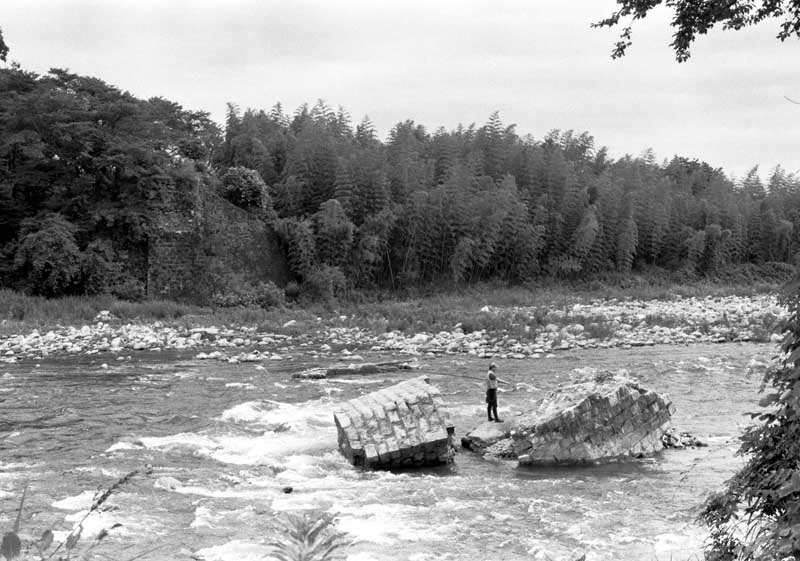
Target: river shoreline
point(516, 332)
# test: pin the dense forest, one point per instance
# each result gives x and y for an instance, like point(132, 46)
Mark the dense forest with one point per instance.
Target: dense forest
point(84, 165)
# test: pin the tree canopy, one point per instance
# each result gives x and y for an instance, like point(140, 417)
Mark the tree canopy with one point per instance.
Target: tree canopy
point(3, 47)
point(691, 18)
point(87, 172)
point(84, 170)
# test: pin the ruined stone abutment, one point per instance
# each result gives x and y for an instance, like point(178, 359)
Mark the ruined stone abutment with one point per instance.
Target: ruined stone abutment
point(401, 426)
point(607, 418)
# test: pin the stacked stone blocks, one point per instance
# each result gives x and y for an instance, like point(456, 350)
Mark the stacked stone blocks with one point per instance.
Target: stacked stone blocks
point(404, 425)
point(600, 421)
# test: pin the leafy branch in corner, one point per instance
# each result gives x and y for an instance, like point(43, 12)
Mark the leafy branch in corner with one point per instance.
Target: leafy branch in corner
point(11, 546)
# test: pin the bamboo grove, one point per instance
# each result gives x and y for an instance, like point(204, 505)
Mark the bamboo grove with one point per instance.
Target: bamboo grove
point(82, 165)
point(483, 203)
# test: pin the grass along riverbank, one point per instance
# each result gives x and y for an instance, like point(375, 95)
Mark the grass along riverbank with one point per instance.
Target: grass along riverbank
point(19, 312)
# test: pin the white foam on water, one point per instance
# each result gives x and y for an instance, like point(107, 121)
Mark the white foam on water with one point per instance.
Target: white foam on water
point(450, 504)
point(298, 416)
point(205, 517)
point(291, 429)
point(227, 493)
point(387, 523)
point(320, 466)
point(681, 546)
point(78, 502)
point(14, 465)
point(248, 412)
point(361, 556)
point(240, 385)
point(290, 503)
point(95, 523)
point(236, 550)
point(188, 440)
point(469, 409)
point(115, 473)
point(122, 446)
point(271, 447)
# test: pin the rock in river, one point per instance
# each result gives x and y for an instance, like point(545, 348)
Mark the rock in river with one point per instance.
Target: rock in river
point(484, 436)
point(605, 418)
point(400, 426)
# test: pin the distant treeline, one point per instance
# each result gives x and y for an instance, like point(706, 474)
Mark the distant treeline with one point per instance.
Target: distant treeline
point(83, 169)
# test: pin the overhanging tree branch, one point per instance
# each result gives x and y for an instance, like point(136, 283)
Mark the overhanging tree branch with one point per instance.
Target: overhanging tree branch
point(696, 17)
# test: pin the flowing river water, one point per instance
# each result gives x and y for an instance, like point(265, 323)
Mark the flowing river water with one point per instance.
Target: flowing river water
point(224, 440)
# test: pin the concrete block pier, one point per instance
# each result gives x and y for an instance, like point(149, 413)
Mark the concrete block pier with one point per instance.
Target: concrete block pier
point(401, 426)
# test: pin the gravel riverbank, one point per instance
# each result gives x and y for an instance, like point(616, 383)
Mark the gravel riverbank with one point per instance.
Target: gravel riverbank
point(522, 332)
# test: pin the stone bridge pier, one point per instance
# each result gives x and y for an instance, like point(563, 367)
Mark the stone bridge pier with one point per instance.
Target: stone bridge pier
point(401, 426)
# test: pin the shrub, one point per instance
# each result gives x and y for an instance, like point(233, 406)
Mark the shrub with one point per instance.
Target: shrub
point(292, 290)
point(310, 536)
point(48, 258)
point(262, 294)
point(103, 273)
point(99, 267)
point(757, 514)
point(129, 289)
point(269, 295)
point(323, 284)
point(245, 188)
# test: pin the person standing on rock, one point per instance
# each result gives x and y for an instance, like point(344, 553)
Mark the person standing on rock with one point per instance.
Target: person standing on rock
point(491, 393)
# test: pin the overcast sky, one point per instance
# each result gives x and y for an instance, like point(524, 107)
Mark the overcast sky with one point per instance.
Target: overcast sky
point(439, 63)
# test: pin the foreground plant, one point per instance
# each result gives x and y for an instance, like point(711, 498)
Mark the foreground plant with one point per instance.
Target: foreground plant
point(309, 536)
point(11, 546)
point(757, 515)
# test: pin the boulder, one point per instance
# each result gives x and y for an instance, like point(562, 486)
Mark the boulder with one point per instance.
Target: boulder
point(675, 438)
point(605, 418)
point(485, 435)
point(401, 426)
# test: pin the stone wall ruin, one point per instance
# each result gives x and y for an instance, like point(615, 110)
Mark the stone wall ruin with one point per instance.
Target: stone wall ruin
point(401, 426)
point(608, 418)
point(201, 236)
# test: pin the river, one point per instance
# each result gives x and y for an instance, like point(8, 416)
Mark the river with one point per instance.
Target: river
point(224, 440)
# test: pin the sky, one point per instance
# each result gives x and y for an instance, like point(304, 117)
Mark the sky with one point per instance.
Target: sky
point(439, 63)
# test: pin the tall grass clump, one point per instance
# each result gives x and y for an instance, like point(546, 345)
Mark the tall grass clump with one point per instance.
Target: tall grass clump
point(308, 536)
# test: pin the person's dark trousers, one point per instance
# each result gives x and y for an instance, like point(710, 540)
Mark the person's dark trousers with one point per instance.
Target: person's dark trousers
point(491, 404)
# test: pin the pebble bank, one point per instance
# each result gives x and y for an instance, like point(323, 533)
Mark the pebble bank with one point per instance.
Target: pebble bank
point(604, 324)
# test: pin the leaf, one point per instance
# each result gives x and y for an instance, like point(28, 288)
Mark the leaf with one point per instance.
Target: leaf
point(768, 399)
point(46, 540)
point(11, 546)
point(72, 539)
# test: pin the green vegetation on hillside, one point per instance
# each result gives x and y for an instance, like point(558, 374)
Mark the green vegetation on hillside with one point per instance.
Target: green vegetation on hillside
point(84, 169)
point(88, 172)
